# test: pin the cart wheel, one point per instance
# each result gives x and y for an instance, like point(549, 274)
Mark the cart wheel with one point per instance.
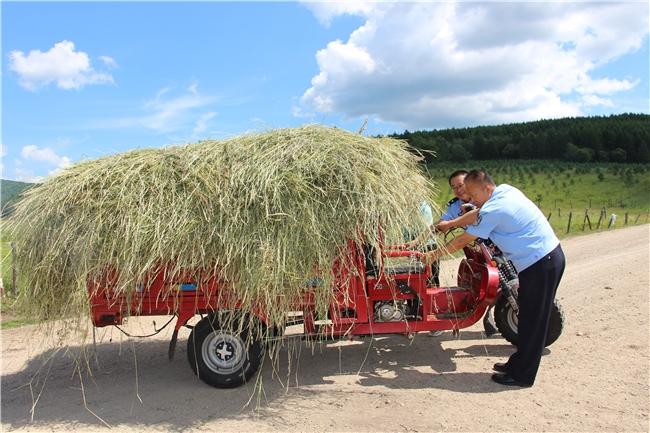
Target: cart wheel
point(507, 321)
point(223, 356)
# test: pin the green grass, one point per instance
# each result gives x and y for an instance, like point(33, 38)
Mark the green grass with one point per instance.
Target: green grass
point(15, 323)
point(569, 187)
point(5, 264)
point(9, 317)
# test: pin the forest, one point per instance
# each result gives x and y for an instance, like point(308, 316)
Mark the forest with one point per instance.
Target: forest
point(622, 138)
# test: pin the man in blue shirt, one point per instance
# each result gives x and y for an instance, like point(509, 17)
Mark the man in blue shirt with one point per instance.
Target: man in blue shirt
point(520, 230)
point(455, 208)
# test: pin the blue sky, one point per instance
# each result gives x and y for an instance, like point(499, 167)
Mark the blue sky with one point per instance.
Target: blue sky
point(83, 80)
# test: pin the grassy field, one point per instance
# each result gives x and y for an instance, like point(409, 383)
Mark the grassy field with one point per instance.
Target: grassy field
point(5, 262)
point(9, 318)
point(561, 188)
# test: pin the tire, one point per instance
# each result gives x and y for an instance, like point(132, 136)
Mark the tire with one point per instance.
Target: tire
point(506, 321)
point(223, 356)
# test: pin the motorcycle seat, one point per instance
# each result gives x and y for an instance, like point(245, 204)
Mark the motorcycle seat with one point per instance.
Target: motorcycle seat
point(409, 268)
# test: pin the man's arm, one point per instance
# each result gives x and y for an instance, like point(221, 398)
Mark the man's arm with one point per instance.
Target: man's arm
point(464, 220)
point(451, 247)
point(426, 234)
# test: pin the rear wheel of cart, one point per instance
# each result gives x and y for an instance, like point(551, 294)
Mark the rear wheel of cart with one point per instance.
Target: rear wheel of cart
point(223, 351)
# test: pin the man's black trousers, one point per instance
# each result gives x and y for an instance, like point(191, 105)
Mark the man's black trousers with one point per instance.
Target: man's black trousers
point(537, 286)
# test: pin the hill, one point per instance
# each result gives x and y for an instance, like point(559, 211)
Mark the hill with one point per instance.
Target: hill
point(9, 192)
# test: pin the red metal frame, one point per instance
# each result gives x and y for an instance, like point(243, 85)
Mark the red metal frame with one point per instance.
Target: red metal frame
point(354, 296)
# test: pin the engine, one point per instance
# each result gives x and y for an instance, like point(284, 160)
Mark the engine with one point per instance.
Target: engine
point(390, 311)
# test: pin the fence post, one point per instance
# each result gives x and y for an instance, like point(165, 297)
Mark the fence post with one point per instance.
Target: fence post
point(14, 290)
point(558, 212)
point(600, 218)
point(568, 227)
point(625, 218)
point(637, 218)
point(586, 220)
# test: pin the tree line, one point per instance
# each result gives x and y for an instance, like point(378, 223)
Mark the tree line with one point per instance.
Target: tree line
point(616, 138)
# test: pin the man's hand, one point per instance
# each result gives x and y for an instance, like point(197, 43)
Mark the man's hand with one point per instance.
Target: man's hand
point(451, 247)
point(410, 245)
point(466, 207)
point(406, 246)
point(445, 226)
point(432, 257)
point(467, 219)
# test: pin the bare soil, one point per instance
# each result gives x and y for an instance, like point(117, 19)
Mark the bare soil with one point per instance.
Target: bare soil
point(594, 378)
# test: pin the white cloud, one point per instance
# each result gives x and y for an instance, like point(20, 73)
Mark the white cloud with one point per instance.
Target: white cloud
point(593, 100)
point(26, 175)
point(326, 11)
point(426, 65)
point(168, 112)
point(61, 64)
point(202, 123)
point(108, 61)
point(605, 86)
point(44, 154)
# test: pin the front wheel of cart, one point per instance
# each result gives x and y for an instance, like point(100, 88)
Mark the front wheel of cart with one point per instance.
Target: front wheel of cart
point(223, 353)
point(507, 321)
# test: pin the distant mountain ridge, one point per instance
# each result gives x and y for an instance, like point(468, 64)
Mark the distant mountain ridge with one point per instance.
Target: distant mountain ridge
point(10, 191)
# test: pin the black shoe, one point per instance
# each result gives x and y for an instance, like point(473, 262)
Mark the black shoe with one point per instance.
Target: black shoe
point(501, 367)
point(506, 379)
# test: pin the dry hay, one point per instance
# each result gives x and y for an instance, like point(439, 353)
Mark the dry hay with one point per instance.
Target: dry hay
point(263, 210)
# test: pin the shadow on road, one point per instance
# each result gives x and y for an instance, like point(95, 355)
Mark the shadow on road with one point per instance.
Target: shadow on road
point(133, 383)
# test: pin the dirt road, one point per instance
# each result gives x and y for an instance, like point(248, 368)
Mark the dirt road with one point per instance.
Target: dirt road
point(594, 378)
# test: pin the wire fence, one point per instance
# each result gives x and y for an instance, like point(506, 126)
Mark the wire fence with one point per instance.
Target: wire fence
point(566, 222)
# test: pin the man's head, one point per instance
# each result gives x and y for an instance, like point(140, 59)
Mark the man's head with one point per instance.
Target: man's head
point(457, 184)
point(479, 186)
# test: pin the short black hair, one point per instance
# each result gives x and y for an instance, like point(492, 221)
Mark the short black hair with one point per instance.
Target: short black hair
point(479, 176)
point(457, 173)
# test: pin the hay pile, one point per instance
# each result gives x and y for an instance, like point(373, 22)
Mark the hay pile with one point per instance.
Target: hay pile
point(266, 210)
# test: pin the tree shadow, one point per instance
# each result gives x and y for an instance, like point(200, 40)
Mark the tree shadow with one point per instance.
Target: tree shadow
point(134, 384)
